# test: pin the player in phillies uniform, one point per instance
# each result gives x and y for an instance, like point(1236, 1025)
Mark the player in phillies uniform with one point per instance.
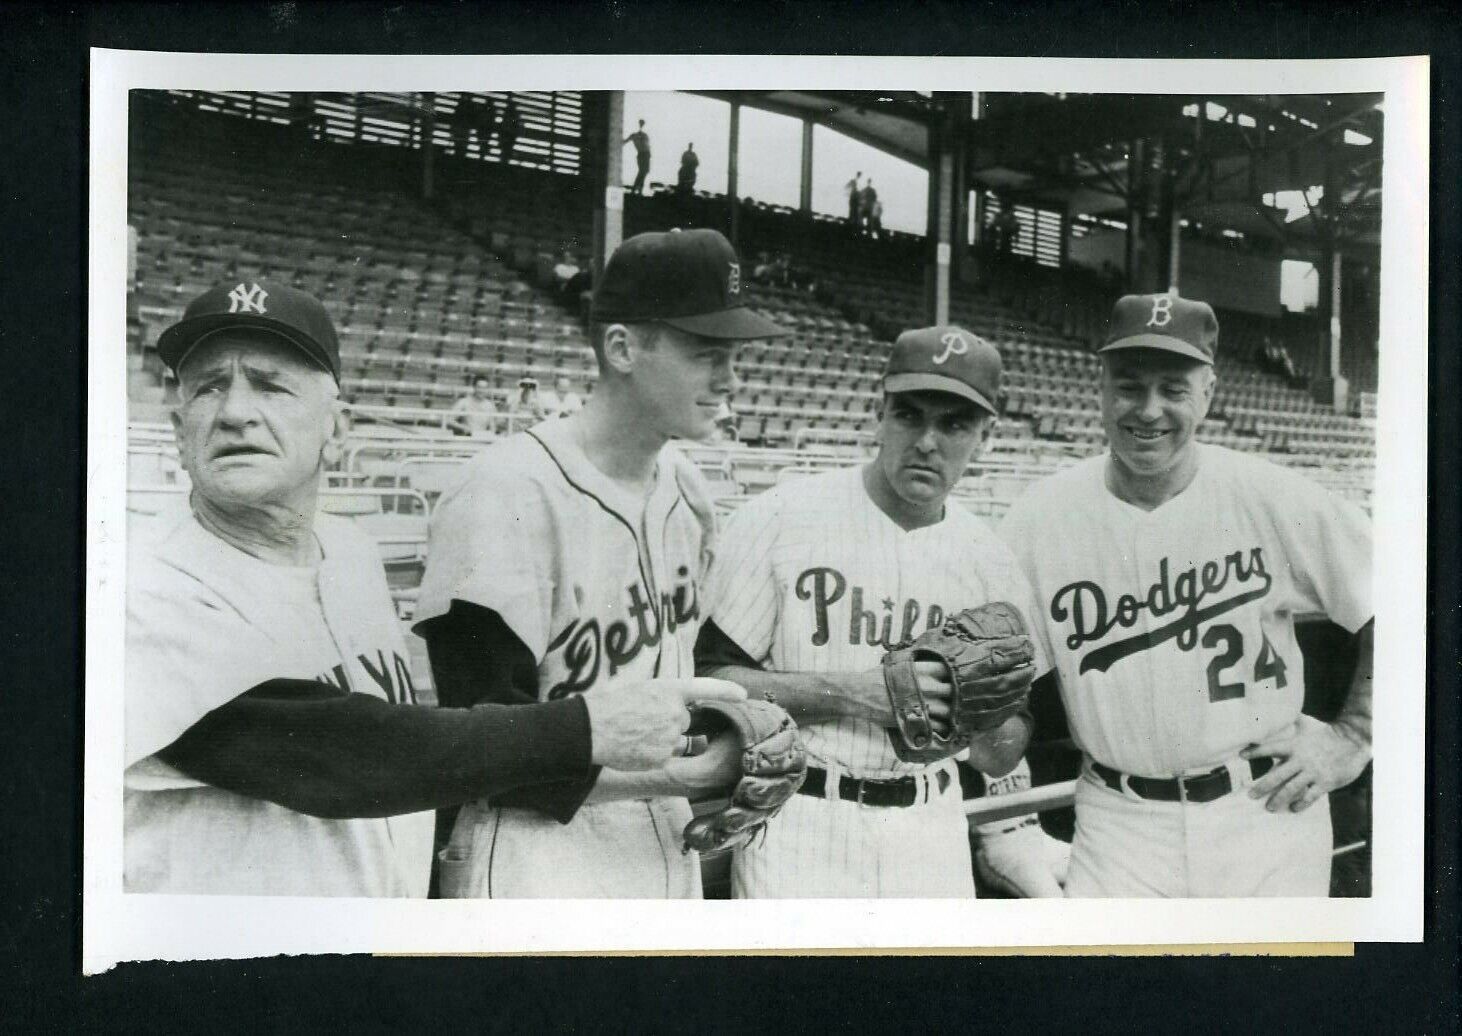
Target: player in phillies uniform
point(570, 558)
point(815, 580)
point(1169, 575)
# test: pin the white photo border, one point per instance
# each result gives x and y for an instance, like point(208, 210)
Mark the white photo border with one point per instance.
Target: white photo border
point(119, 927)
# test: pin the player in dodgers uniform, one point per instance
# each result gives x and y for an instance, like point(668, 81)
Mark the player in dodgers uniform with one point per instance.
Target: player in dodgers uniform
point(1169, 574)
point(571, 556)
point(813, 582)
point(273, 744)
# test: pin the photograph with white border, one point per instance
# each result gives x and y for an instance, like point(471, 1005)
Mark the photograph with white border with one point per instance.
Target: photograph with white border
point(530, 502)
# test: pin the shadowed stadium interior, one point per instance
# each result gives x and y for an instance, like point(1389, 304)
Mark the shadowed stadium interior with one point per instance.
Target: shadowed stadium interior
point(437, 262)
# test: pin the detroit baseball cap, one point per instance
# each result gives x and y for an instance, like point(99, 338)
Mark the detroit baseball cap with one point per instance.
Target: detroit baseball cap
point(286, 312)
point(945, 359)
point(1167, 322)
point(689, 279)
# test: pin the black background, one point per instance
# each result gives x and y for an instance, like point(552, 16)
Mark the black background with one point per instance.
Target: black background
point(1398, 988)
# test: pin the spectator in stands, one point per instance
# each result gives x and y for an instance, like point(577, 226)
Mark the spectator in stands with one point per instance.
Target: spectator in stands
point(689, 163)
point(867, 201)
point(641, 141)
point(473, 118)
point(273, 744)
point(529, 403)
point(475, 413)
point(854, 189)
point(510, 125)
point(561, 400)
point(1007, 230)
point(569, 280)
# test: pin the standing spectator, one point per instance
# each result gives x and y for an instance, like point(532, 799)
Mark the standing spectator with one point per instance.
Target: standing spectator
point(509, 126)
point(473, 414)
point(689, 163)
point(867, 203)
point(1007, 229)
point(854, 187)
point(641, 141)
point(569, 279)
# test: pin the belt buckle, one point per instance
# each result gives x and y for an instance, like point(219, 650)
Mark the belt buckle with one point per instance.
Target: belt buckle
point(862, 784)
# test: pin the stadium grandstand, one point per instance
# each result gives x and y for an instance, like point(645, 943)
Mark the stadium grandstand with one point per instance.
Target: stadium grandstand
point(431, 234)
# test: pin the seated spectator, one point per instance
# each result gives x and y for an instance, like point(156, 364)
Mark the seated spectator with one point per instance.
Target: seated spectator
point(474, 413)
point(529, 403)
point(569, 280)
point(561, 400)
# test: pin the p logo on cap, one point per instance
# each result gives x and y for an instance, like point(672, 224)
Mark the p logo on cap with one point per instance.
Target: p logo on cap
point(945, 359)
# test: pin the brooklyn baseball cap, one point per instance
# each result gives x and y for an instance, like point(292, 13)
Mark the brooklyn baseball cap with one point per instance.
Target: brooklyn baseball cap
point(689, 279)
point(290, 314)
point(945, 359)
point(1168, 322)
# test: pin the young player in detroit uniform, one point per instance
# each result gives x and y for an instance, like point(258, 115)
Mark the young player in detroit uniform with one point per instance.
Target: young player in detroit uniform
point(570, 557)
point(1169, 575)
point(815, 580)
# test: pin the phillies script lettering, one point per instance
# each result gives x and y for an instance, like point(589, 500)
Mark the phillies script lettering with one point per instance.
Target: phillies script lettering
point(825, 587)
point(587, 649)
point(1085, 604)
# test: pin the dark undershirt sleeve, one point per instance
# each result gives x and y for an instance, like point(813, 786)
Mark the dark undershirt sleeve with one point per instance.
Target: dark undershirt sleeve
point(315, 749)
point(713, 649)
point(477, 658)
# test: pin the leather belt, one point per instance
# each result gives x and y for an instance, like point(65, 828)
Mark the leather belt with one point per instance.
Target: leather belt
point(1204, 787)
point(897, 791)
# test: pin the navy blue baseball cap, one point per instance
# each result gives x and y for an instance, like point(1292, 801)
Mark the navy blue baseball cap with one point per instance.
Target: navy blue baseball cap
point(689, 279)
point(1167, 322)
point(292, 315)
point(945, 359)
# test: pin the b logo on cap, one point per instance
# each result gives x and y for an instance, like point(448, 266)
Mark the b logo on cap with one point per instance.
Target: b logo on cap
point(954, 345)
point(247, 300)
point(733, 280)
point(1162, 306)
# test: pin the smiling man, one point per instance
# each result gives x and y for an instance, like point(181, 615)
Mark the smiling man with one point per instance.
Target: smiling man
point(1169, 574)
point(570, 558)
point(815, 580)
point(273, 745)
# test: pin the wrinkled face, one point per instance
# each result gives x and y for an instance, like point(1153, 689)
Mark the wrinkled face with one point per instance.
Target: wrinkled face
point(1152, 403)
point(255, 419)
point(683, 379)
point(926, 440)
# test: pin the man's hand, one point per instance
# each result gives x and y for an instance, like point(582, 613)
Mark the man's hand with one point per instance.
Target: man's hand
point(711, 770)
point(1313, 758)
point(641, 726)
point(871, 699)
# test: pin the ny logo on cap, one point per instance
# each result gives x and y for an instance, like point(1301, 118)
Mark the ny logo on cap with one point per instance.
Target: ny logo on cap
point(247, 300)
point(954, 345)
point(733, 280)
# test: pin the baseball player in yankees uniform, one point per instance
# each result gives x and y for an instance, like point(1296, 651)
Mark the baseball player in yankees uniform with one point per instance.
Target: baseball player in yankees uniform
point(273, 744)
point(1169, 574)
point(814, 581)
point(570, 557)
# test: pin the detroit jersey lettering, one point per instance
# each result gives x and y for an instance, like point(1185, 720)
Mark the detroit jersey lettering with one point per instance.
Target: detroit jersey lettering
point(598, 586)
point(1173, 630)
point(813, 576)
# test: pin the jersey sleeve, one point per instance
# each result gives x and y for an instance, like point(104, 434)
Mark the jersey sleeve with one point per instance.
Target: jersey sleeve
point(1017, 531)
point(1012, 585)
point(188, 651)
point(741, 590)
point(492, 543)
point(1327, 545)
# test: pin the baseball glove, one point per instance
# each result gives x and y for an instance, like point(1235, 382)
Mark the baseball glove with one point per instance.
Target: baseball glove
point(773, 766)
point(990, 662)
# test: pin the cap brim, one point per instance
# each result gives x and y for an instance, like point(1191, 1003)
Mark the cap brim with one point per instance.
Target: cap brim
point(1164, 342)
point(936, 383)
point(174, 344)
point(735, 324)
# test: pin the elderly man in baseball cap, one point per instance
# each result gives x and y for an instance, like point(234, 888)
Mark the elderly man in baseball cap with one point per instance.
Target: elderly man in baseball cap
point(815, 580)
point(1170, 572)
point(273, 742)
point(569, 559)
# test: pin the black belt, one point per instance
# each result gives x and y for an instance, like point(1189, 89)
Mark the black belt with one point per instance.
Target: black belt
point(897, 791)
point(1205, 787)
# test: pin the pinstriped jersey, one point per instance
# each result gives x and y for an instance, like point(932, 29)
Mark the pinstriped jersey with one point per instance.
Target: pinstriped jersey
point(1173, 629)
point(812, 576)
